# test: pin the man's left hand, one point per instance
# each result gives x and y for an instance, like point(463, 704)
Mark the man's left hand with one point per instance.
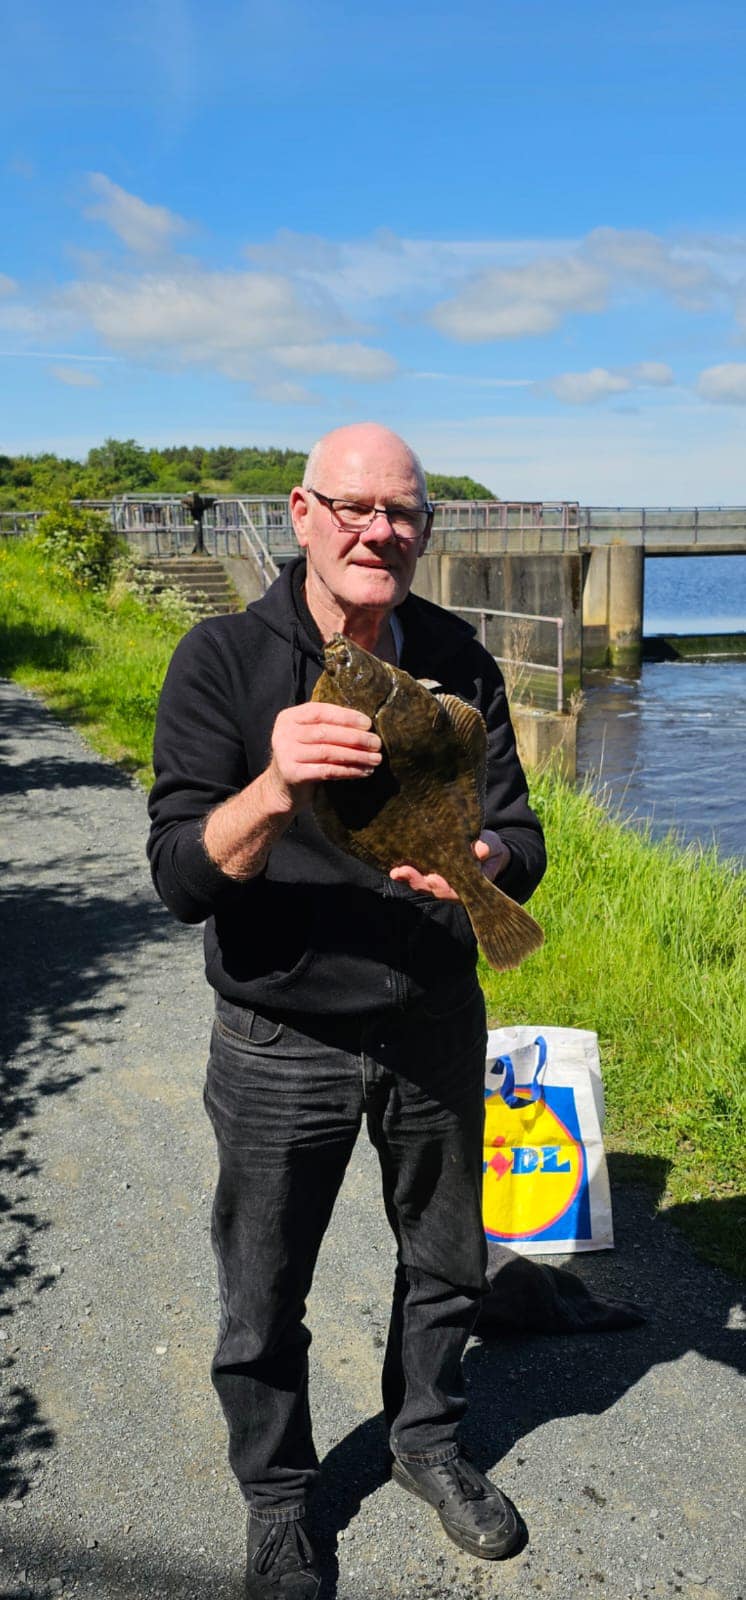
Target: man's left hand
point(491, 853)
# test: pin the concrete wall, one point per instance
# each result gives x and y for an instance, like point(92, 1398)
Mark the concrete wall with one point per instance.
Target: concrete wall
point(244, 575)
point(548, 585)
point(546, 738)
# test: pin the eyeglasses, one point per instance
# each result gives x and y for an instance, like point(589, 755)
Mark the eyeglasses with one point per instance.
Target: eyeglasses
point(406, 522)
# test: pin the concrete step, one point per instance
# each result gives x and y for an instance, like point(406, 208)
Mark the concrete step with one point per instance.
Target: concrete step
point(202, 581)
point(182, 565)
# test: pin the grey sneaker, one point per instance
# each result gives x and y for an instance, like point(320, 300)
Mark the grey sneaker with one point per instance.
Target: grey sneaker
point(281, 1563)
point(473, 1512)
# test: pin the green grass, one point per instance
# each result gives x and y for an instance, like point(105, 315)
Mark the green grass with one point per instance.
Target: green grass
point(646, 942)
point(97, 661)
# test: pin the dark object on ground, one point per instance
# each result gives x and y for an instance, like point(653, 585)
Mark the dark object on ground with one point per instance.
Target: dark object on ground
point(527, 1297)
point(280, 1560)
point(475, 1515)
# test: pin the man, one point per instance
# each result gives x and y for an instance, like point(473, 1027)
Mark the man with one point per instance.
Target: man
point(339, 992)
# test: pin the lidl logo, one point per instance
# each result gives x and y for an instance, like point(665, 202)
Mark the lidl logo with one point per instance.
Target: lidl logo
point(535, 1174)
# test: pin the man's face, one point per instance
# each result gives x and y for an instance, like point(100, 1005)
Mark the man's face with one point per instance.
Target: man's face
point(371, 569)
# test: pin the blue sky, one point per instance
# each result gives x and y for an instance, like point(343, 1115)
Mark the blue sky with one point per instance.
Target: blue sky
point(515, 231)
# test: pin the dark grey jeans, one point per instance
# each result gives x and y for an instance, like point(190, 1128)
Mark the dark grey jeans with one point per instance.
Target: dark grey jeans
point(286, 1106)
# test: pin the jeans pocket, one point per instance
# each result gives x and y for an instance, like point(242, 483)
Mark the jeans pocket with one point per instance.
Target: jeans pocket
point(246, 1029)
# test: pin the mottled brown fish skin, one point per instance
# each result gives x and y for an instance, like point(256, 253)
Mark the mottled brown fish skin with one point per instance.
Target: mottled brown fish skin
point(423, 806)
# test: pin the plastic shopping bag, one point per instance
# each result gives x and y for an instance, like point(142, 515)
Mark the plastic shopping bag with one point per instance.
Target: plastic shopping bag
point(546, 1187)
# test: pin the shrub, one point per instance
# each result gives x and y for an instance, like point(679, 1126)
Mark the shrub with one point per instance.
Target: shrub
point(168, 606)
point(79, 544)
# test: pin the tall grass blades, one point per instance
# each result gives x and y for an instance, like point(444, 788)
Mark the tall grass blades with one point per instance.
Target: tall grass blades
point(645, 944)
point(97, 658)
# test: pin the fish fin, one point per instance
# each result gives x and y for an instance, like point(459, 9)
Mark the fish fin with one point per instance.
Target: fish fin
point(469, 727)
point(505, 932)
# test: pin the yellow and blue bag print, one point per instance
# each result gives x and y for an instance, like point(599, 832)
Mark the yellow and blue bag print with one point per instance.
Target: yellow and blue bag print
point(545, 1187)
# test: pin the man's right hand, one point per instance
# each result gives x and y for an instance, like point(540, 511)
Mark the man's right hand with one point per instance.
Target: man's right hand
point(309, 743)
point(316, 741)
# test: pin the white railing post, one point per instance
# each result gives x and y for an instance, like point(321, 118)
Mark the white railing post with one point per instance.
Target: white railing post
point(560, 664)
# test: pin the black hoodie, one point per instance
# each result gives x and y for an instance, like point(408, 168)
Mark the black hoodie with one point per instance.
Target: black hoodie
point(315, 931)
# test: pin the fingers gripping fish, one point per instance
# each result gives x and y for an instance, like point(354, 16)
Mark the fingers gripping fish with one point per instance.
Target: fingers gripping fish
point(424, 805)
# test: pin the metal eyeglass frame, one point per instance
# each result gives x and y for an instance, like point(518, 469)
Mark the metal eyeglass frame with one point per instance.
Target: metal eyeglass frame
point(330, 501)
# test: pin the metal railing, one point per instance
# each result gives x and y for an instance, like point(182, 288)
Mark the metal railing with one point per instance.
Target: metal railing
point(462, 527)
point(678, 529)
point(496, 527)
point(12, 522)
point(159, 527)
point(268, 568)
point(557, 671)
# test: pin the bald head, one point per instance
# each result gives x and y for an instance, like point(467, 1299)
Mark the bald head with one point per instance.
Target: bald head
point(360, 448)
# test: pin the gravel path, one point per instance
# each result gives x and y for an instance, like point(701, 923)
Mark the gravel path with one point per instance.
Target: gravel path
point(622, 1451)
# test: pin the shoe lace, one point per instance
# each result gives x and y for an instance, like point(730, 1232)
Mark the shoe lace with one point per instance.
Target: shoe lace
point(285, 1546)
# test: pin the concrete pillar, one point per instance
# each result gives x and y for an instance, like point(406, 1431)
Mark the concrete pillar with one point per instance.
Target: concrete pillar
point(596, 607)
point(626, 594)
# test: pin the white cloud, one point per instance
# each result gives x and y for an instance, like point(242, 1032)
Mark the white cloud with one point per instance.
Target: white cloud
point(474, 383)
point(285, 393)
point(194, 315)
point(143, 228)
point(646, 258)
point(7, 285)
point(251, 326)
point(653, 374)
point(346, 360)
point(509, 304)
point(54, 355)
point(725, 384)
point(583, 388)
point(388, 267)
point(533, 295)
point(76, 377)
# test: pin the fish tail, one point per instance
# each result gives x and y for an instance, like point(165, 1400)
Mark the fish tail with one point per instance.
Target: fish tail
point(505, 932)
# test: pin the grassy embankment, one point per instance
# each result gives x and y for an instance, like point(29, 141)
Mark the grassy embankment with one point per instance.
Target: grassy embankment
point(98, 660)
point(646, 943)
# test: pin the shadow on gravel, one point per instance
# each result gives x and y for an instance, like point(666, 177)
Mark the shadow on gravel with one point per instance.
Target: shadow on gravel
point(516, 1385)
point(63, 945)
point(111, 1573)
point(26, 716)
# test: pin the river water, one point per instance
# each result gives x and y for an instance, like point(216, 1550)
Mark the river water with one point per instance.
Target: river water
point(669, 747)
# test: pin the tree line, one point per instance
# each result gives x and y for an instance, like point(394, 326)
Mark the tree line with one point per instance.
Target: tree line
point(122, 466)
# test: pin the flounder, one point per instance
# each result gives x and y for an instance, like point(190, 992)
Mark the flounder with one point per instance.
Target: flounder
point(424, 805)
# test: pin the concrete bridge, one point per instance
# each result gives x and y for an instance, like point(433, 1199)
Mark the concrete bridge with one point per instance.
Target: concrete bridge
point(487, 527)
point(584, 564)
point(579, 567)
point(576, 571)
